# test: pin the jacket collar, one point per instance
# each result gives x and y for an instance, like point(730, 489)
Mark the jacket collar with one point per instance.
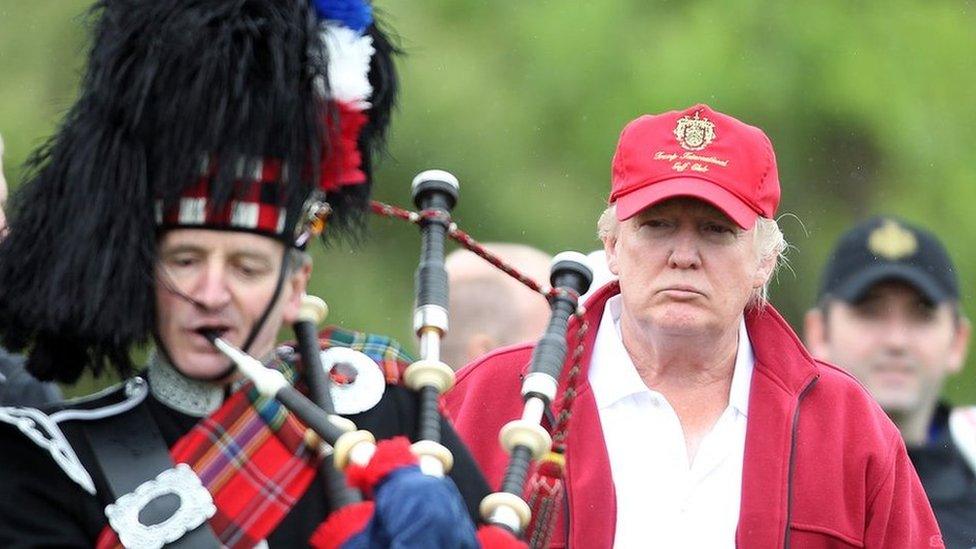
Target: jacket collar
point(781, 356)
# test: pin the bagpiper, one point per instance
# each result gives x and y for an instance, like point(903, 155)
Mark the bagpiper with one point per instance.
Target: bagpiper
point(211, 141)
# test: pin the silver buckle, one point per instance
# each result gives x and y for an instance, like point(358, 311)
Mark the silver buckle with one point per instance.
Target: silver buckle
point(196, 506)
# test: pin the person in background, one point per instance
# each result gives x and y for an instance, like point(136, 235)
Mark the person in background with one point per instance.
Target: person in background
point(17, 386)
point(488, 308)
point(889, 312)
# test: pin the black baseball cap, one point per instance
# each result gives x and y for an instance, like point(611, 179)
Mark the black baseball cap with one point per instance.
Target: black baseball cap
point(888, 248)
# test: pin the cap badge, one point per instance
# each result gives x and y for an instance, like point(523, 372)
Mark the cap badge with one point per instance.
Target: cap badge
point(694, 133)
point(892, 241)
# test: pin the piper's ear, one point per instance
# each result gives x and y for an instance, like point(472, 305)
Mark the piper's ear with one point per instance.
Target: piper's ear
point(815, 334)
point(295, 289)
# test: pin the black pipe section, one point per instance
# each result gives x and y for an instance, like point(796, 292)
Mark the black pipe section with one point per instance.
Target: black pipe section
point(431, 277)
point(549, 356)
point(337, 489)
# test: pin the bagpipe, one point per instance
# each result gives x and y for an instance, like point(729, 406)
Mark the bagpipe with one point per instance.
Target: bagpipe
point(354, 464)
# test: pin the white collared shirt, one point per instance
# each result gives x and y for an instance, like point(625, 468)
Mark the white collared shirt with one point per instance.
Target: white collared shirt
point(662, 500)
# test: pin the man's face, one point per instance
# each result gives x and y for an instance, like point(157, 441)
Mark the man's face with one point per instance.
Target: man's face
point(684, 267)
point(231, 277)
point(900, 346)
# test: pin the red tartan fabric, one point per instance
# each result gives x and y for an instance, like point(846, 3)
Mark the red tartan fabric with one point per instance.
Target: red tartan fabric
point(254, 461)
point(387, 353)
point(253, 207)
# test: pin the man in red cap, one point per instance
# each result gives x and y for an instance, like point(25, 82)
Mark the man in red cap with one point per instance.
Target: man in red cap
point(699, 420)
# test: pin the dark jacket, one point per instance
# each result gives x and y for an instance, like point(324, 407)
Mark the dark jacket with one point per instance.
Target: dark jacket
point(948, 476)
point(40, 506)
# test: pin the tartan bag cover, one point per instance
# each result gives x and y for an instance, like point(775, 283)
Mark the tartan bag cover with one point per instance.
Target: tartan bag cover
point(252, 454)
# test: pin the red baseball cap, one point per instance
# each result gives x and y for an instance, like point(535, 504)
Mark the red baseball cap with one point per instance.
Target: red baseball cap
point(700, 153)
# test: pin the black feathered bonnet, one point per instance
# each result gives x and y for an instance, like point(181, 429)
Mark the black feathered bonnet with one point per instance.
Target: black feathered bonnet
point(231, 114)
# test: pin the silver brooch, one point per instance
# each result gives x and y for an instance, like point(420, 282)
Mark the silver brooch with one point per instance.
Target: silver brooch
point(196, 506)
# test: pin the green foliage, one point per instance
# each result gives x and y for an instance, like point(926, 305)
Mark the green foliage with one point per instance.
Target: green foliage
point(868, 104)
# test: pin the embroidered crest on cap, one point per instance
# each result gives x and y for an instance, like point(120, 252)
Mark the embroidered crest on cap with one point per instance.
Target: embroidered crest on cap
point(694, 133)
point(892, 241)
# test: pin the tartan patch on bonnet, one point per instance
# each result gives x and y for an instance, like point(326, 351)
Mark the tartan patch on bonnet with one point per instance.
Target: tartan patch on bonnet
point(255, 205)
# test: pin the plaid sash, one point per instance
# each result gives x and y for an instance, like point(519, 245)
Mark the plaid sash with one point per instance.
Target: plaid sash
point(252, 455)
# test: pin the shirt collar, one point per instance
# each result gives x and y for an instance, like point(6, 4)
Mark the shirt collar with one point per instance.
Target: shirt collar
point(195, 397)
point(192, 397)
point(613, 375)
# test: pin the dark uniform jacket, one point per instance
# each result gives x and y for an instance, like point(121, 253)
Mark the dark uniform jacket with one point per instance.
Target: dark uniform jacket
point(40, 506)
point(949, 479)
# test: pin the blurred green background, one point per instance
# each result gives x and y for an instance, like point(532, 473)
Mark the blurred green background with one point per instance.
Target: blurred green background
point(869, 105)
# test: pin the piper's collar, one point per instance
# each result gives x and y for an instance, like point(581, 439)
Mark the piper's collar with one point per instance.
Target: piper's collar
point(190, 396)
point(199, 398)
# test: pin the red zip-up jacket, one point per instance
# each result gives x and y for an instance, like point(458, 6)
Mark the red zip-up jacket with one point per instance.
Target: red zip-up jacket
point(823, 466)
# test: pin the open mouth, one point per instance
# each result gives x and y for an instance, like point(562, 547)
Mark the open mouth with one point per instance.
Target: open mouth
point(212, 332)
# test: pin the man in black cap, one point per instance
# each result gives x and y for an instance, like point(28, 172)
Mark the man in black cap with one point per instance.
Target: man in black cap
point(210, 142)
point(889, 313)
